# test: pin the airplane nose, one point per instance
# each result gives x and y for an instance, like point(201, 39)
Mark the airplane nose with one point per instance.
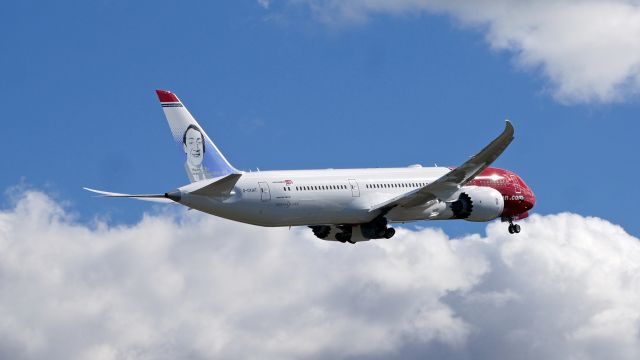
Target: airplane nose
point(530, 200)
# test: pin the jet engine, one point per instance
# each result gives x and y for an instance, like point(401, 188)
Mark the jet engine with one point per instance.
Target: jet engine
point(477, 204)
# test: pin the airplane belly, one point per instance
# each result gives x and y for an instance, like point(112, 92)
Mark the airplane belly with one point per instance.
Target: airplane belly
point(280, 211)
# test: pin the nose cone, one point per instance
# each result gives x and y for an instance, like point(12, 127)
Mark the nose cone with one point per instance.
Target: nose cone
point(518, 201)
point(530, 200)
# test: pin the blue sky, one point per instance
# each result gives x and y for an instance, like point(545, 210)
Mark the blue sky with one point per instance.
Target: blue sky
point(281, 87)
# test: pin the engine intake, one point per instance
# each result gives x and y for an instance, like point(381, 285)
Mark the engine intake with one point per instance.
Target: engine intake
point(463, 207)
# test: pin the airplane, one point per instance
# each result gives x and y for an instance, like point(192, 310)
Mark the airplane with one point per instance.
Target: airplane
point(345, 205)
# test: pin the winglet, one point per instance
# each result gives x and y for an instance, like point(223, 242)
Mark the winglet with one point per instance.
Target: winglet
point(508, 127)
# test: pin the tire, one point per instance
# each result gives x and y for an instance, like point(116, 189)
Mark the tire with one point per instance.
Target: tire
point(388, 234)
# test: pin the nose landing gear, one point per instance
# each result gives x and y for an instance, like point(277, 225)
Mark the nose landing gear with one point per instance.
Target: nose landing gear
point(513, 228)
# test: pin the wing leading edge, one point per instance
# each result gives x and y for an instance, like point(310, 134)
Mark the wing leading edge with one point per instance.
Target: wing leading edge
point(444, 187)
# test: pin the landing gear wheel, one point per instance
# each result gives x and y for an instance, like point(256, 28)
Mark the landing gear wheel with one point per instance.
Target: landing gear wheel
point(388, 234)
point(321, 231)
point(513, 228)
point(341, 237)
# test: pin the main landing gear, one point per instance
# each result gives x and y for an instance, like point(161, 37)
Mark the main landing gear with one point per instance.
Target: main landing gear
point(388, 234)
point(321, 231)
point(345, 235)
point(375, 229)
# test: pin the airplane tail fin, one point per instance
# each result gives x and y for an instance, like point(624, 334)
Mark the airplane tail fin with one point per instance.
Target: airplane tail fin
point(203, 159)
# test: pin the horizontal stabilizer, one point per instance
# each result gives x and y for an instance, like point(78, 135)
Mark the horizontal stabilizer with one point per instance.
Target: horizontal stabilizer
point(221, 187)
point(160, 198)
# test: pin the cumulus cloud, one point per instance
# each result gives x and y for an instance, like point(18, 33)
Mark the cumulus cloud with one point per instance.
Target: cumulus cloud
point(588, 50)
point(187, 285)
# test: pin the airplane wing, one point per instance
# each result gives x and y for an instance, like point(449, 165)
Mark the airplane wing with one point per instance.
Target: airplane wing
point(444, 187)
point(160, 198)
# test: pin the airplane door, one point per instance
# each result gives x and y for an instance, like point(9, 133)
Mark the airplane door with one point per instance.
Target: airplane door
point(265, 195)
point(355, 190)
point(516, 184)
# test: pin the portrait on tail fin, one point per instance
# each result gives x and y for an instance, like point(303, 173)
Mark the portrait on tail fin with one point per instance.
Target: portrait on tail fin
point(194, 148)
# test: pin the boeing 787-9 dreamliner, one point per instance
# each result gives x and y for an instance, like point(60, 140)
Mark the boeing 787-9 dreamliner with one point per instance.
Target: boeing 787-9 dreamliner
point(346, 205)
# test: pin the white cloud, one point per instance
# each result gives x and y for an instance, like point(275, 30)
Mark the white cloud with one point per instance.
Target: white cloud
point(188, 285)
point(588, 50)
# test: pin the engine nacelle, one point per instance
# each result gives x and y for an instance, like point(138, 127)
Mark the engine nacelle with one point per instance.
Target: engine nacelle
point(477, 204)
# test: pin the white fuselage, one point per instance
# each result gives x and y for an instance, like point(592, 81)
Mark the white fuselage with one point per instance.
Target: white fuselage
point(309, 197)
